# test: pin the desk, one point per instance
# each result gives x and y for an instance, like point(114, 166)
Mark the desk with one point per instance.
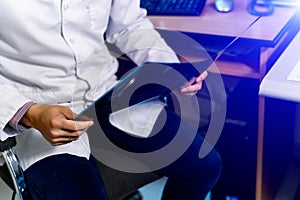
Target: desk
point(268, 35)
point(264, 31)
point(276, 85)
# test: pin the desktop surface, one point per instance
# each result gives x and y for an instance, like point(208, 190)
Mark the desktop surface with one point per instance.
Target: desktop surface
point(231, 24)
point(276, 83)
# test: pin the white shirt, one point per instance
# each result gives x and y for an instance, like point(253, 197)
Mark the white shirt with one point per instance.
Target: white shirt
point(54, 52)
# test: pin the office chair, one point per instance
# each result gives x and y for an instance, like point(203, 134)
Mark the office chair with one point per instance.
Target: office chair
point(16, 180)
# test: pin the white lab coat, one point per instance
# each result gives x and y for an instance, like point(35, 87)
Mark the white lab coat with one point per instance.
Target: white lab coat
point(54, 52)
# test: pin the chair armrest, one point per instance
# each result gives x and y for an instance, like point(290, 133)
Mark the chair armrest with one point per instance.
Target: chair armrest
point(8, 143)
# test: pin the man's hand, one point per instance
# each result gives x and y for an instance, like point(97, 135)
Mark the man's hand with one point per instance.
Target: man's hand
point(194, 85)
point(55, 123)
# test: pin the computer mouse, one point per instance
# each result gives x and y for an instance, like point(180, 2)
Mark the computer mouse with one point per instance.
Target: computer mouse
point(224, 5)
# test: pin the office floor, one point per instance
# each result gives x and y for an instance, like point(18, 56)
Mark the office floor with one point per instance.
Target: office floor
point(153, 190)
point(5, 191)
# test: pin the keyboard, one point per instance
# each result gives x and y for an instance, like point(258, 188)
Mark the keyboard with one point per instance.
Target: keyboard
point(173, 7)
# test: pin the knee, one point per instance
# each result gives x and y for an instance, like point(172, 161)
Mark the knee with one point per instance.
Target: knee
point(208, 169)
point(203, 172)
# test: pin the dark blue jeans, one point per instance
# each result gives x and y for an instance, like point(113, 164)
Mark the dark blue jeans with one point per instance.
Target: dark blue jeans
point(65, 177)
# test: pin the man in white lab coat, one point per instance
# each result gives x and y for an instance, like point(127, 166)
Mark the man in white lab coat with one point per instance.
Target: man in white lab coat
point(45, 79)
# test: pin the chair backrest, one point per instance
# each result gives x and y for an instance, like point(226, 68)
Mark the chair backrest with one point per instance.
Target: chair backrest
point(4, 171)
point(12, 168)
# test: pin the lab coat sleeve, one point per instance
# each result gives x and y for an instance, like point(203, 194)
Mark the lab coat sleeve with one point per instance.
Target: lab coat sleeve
point(131, 31)
point(11, 101)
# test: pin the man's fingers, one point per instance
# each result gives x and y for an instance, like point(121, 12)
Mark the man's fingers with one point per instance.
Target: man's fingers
point(192, 88)
point(69, 131)
point(63, 140)
point(194, 84)
point(202, 76)
point(83, 125)
point(71, 125)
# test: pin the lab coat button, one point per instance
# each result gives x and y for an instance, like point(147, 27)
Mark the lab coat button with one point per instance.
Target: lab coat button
point(66, 6)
